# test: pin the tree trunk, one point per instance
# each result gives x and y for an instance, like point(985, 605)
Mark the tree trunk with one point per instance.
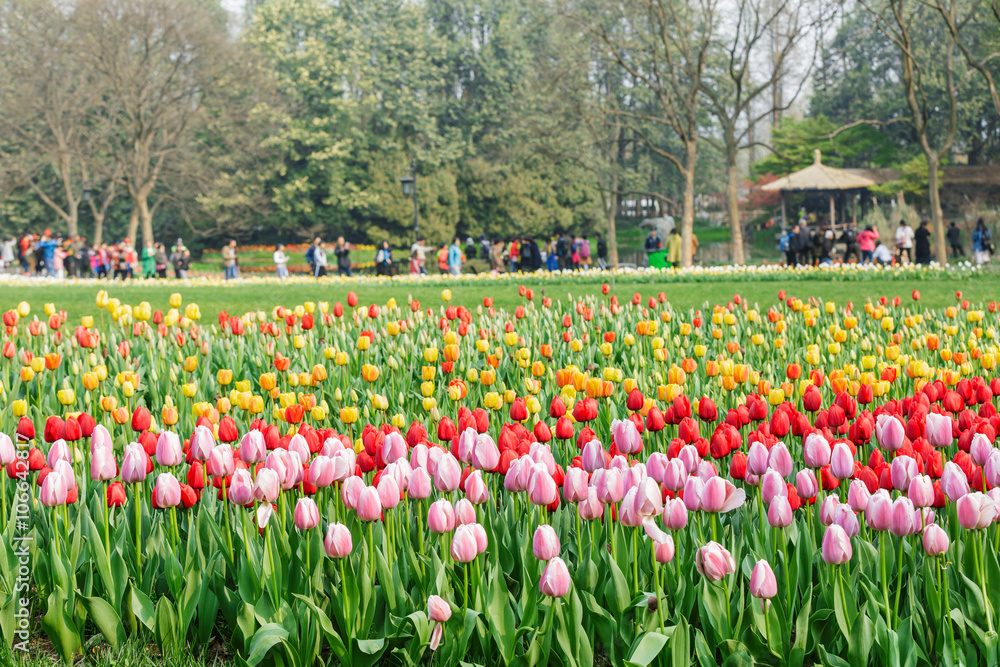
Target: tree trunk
point(733, 209)
point(934, 194)
point(146, 218)
point(612, 213)
point(687, 213)
point(73, 208)
point(133, 223)
point(98, 228)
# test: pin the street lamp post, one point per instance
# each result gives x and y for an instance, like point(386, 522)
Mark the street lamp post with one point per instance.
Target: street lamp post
point(409, 184)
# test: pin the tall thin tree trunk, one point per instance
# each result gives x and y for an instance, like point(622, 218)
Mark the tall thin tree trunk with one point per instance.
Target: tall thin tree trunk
point(146, 218)
point(133, 223)
point(687, 213)
point(733, 209)
point(934, 194)
point(98, 228)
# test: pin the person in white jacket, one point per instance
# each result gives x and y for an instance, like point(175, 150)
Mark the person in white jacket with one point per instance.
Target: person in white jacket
point(904, 242)
point(281, 261)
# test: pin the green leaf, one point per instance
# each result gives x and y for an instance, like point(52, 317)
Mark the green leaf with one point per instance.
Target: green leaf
point(166, 631)
point(106, 619)
point(646, 650)
point(861, 639)
point(142, 607)
point(59, 627)
point(264, 640)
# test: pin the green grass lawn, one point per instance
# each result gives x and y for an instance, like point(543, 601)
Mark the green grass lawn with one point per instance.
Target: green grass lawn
point(78, 298)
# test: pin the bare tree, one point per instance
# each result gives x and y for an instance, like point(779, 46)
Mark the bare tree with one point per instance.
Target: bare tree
point(731, 90)
point(665, 45)
point(971, 46)
point(54, 136)
point(896, 19)
point(158, 58)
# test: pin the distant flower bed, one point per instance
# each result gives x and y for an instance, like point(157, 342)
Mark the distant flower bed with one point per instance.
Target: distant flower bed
point(290, 249)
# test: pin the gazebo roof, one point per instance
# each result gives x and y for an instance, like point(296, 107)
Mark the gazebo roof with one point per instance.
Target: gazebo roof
point(818, 176)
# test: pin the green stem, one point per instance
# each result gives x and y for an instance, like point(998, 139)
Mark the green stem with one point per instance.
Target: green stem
point(635, 561)
point(465, 589)
point(729, 614)
point(371, 552)
point(785, 565)
point(982, 580)
point(229, 523)
point(656, 579)
point(840, 583)
point(137, 499)
point(885, 578)
point(947, 608)
point(899, 582)
point(107, 524)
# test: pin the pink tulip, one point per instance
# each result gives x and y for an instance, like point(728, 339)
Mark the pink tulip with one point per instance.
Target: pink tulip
point(441, 517)
point(555, 579)
point(889, 432)
point(992, 469)
point(937, 429)
point(438, 610)
point(369, 506)
point(626, 436)
point(241, 488)
point(837, 548)
point(252, 447)
point(980, 449)
point(221, 462)
point(321, 471)
point(298, 447)
point(512, 480)
point(306, 514)
point(721, 496)
point(976, 511)
point(591, 508)
point(936, 540)
point(648, 500)
point(266, 487)
point(845, 517)
point(344, 463)
point(689, 457)
point(103, 465)
point(420, 457)
point(264, 512)
point(592, 457)
point(656, 465)
point(609, 484)
point(169, 452)
point(485, 453)
point(901, 523)
point(541, 453)
point(202, 442)
point(954, 483)
point(393, 448)
point(464, 547)
point(448, 474)
point(134, 464)
point(858, 495)
point(828, 510)
point(59, 451)
point(167, 491)
point(574, 485)
point(634, 475)
point(475, 488)
point(816, 451)
point(664, 551)
point(780, 459)
point(388, 492)
point(54, 490)
point(67, 472)
point(842, 462)
point(763, 585)
point(465, 512)
point(772, 485)
point(879, 511)
point(7, 452)
point(714, 562)
point(779, 514)
point(694, 488)
point(100, 438)
point(757, 459)
point(675, 514)
point(466, 441)
point(542, 489)
point(420, 484)
point(338, 542)
point(481, 540)
point(805, 484)
point(903, 469)
point(545, 543)
point(921, 491)
point(626, 510)
point(675, 475)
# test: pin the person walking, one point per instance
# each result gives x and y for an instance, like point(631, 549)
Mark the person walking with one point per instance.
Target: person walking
point(982, 242)
point(149, 261)
point(602, 252)
point(673, 248)
point(803, 245)
point(904, 242)
point(281, 261)
point(47, 248)
point(7, 252)
point(319, 260)
point(343, 252)
point(160, 258)
point(654, 244)
point(827, 247)
point(383, 259)
point(954, 237)
point(455, 258)
point(419, 251)
point(866, 242)
point(850, 240)
point(922, 243)
point(496, 256)
point(787, 244)
point(59, 261)
point(229, 259)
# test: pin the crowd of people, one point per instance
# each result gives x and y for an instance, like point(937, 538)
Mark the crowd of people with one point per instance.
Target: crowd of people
point(54, 256)
point(805, 246)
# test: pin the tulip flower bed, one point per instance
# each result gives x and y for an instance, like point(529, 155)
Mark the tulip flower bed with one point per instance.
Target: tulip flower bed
point(591, 481)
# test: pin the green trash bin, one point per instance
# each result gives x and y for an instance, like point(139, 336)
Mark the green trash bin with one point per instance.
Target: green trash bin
point(658, 259)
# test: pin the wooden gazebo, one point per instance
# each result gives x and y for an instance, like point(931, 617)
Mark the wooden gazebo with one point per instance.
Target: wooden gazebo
point(818, 178)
